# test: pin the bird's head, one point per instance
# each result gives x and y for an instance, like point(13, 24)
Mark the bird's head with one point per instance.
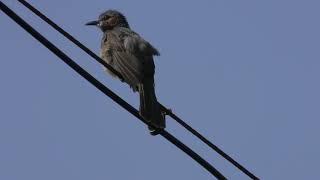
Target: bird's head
point(109, 20)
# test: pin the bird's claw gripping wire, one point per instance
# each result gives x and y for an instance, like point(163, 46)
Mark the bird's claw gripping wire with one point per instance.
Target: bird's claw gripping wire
point(166, 112)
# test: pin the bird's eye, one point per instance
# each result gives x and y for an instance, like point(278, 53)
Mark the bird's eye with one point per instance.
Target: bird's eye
point(106, 17)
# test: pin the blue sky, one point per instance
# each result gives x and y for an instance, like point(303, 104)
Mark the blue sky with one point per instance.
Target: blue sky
point(243, 73)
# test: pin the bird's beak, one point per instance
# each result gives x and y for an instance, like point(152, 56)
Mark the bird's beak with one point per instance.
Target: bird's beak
point(92, 23)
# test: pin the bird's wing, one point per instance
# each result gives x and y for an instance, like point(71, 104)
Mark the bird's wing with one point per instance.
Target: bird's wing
point(132, 55)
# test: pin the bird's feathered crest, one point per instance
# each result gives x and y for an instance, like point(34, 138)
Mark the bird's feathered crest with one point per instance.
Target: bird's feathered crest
point(122, 21)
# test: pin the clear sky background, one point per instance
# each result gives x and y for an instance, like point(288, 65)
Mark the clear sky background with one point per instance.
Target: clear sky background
point(243, 73)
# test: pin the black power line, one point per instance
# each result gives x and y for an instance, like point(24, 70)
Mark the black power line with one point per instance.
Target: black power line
point(106, 90)
point(168, 112)
point(214, 147)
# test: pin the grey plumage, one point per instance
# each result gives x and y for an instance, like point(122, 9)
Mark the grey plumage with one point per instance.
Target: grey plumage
point(132, 57)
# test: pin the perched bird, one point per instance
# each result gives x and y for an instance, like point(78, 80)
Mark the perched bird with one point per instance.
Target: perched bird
point(131, 56)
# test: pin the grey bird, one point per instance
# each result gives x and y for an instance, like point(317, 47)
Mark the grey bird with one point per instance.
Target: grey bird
point(132, 56)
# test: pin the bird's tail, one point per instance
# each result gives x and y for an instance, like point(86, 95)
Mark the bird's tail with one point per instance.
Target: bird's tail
point(149, 106)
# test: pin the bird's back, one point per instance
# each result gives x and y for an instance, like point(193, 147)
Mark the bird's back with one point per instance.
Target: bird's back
point(129, 54)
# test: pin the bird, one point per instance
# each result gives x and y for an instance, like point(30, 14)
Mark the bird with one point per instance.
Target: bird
point(132, 57)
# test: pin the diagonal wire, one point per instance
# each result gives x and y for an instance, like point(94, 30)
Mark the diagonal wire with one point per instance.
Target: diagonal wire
point(106, 90)
point(167, 111)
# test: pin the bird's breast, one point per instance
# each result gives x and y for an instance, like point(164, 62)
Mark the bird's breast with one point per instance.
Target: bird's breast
point(106, 53)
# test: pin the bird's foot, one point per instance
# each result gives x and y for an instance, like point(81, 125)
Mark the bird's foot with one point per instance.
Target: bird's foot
point(154, 131)
point(166, 112)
